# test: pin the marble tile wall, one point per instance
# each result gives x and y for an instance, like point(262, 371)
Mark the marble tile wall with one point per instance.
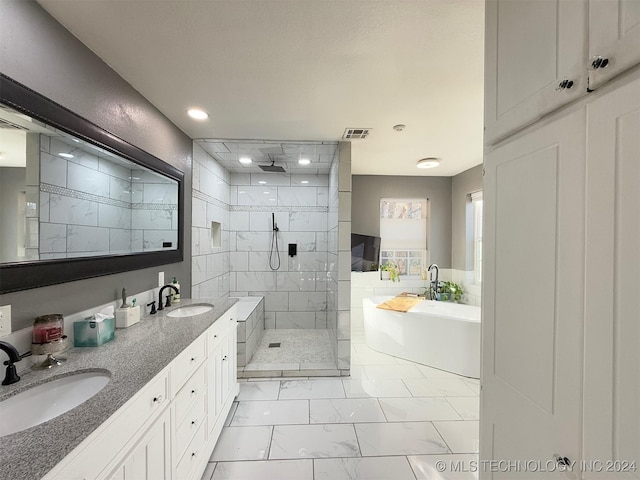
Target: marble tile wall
point(295, 289)
point(339, 278)
point(89, 205)
point(210, 262)
point(250, 327)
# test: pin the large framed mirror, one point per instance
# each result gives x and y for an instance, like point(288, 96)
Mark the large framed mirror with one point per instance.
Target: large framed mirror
point(76, 201)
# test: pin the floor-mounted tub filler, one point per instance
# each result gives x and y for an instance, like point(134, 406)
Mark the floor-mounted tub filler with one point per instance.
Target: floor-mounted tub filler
point(442, 335)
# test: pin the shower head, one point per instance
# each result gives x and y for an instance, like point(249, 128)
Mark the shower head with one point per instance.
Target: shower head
point(272, 168)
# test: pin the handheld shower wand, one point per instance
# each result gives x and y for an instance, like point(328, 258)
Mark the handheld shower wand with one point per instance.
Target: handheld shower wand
point(274, 255)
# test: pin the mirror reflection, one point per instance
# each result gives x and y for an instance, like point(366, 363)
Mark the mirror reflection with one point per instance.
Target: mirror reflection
point(61, 197)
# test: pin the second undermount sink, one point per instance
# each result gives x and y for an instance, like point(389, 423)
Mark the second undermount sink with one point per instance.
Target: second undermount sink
point(48, 400)
point(190, 310)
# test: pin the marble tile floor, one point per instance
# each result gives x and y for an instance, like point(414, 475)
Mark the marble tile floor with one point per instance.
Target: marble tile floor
point(302, 353)
point(391, 420)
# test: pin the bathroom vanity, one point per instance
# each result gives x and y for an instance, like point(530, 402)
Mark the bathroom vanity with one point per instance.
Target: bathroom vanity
point(173, 381)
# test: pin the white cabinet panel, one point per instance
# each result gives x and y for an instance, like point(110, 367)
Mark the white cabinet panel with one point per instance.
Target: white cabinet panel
point(532, 46)
point(612, 320)
point(532, 300)
point(150, 459)
point(614, 35)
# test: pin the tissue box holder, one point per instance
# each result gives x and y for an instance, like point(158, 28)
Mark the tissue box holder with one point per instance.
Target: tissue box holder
point(125, 317)
point(90, 333)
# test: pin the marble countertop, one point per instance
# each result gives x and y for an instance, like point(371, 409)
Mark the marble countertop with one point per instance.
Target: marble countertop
point(133, 358)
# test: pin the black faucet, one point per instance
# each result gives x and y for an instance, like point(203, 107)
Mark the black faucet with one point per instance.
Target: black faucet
point(11, 374)
point(168, 304)
point(432, 282)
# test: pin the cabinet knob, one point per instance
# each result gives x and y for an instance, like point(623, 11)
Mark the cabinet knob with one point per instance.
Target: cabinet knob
point(194, 391)
point(158, 399)
point(194, 454)
point(599, 62)
point(562, 461)
point(224, 358)
point(565, 84)
point(193, 359)
point(215, 336)
point(194, 422)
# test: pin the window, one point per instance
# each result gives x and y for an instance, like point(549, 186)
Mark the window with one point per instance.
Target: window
point(404, 225)
point(476, 201)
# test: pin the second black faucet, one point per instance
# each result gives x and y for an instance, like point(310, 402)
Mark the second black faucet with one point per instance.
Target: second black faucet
point(168, 304)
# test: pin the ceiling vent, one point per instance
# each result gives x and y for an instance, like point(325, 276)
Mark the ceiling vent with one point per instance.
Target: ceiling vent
point(356, 133)
point(10, 125)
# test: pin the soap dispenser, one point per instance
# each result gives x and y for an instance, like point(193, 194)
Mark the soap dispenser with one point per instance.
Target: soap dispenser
point(176, 296)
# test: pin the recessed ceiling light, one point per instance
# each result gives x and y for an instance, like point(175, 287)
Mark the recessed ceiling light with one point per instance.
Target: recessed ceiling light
point(66, 155)
point(197, 114)
point(245, 160)
point(428, 163)
point(304, 181)
point(262, 182)
point(304, 161)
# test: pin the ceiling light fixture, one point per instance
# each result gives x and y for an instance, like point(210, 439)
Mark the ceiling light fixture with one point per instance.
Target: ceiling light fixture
point(429, 162)
point(304, 161)
point(304, 181)
point(245, 160)
point(66, 155)
point(197, 114)
point(262, 182)
point(400, 127)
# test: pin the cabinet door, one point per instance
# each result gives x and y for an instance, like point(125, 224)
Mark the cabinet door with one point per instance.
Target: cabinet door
point(612, 321)
point(214, 386)
point(151, 457)
point(533, 262)
point(614, 34)
point(531, 46)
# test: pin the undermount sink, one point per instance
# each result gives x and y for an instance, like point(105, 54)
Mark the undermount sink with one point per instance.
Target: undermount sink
point(48, 400)
point(190, 310)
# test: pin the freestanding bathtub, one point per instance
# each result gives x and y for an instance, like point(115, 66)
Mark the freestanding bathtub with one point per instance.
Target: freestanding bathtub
point(442, 335)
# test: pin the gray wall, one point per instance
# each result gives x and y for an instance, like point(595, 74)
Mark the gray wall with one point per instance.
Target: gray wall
point(38, 52)
point(365, 207)
point(462, 185)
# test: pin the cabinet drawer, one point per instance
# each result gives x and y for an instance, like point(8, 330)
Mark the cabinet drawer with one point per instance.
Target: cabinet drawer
point(186, 430)
point(218, 330)
point(186, 363)
point(194, 387)
point(193, 456)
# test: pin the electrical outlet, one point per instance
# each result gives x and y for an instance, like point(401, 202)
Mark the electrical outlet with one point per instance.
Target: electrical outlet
point(5, 320)
point(161, 279)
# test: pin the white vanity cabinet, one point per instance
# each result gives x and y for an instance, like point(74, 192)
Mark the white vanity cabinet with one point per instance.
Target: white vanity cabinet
point(101, 451)
point(531, 48)
point(170, 427)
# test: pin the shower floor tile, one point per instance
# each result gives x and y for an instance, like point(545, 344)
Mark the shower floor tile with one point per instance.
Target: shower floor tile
point(296, 346)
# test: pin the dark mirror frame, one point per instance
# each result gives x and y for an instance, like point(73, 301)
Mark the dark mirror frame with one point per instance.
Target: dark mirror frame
point(18, 276)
